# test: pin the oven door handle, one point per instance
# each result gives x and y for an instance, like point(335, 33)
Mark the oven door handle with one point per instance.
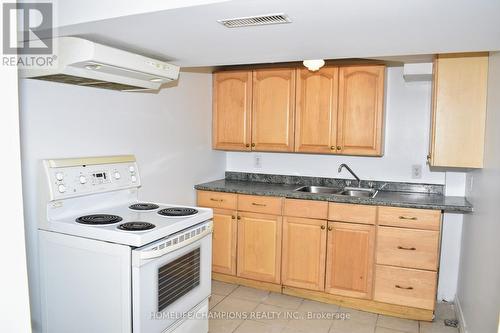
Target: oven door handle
point(151, 254)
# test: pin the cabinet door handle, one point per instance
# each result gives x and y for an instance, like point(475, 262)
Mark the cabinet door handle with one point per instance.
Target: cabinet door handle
point(253, 144)
point(239, 217)
point(258, 204)
point(406, 248)
point(247, 145)
point(406, 288)
point(330, 228)
point(233, 217)
point(407, 218)
point(332, 147)
point(339, 148)
point(323, 227)
point(216, 200)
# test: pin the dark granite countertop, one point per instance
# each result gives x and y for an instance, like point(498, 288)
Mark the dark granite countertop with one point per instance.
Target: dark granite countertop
point(430, 199)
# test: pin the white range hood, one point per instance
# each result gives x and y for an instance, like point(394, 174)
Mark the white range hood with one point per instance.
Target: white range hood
point(85, 63)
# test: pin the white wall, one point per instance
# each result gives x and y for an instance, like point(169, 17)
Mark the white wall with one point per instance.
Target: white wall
point(479, 283)
point(14, 297)
point(169, 132)
point(408, 108)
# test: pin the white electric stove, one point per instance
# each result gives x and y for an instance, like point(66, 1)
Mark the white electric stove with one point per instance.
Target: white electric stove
point(111, 263)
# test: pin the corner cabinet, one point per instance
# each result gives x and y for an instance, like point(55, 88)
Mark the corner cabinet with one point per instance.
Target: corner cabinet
point(459, 111)
point(361, 110)
point(336, 110)
point(232, 110)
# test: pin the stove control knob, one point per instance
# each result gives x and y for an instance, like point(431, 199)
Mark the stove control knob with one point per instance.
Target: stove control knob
point(59, 176)
point(134, 179)
point(117, 175)
point(61, 188)
point(131, 168)
point(83, 180)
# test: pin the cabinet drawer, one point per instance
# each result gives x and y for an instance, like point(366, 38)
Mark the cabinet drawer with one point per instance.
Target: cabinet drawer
point(352, 213)
point(404, 286)
point(408, 247)
point(260, 204)
point(217, 200)
point(306, 208)
point(409, 218)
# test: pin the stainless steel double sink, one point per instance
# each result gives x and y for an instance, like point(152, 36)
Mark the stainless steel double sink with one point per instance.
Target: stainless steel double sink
point(347, 191)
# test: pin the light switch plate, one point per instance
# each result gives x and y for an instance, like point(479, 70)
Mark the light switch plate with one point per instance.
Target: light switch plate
point(257, 161)
point(416, 171)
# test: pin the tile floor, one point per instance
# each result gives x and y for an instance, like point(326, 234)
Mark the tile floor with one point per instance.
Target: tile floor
point(268, 312)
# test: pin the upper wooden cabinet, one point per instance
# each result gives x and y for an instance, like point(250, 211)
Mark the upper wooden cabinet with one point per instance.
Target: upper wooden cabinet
point(232, 107)
point(459, 111)
point(360, 111)
point(273, 109)
point(316, 110)
point(336, 110)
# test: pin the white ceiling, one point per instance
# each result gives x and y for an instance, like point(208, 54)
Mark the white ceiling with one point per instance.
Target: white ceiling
point(332, 29)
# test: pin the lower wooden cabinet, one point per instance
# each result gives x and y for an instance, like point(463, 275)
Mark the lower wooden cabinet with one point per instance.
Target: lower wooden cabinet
point(349, 265)
point(326, 251)
point(224, 242)
point(304, 253)
point(259, 247)
point(405, 286)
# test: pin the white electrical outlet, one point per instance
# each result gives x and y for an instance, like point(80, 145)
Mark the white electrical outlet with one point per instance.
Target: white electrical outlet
point(257, 161)
point(416, 171)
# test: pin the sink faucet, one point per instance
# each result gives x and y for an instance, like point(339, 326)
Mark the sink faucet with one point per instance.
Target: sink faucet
point(352, 172)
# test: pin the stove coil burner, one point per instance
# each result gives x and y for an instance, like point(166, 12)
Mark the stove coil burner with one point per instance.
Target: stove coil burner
point(144, 206)
point(98, 219)
point(136, 226)
point(177, 211)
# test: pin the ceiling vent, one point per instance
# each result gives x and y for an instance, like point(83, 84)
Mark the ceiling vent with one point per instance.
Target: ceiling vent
point(249, 21)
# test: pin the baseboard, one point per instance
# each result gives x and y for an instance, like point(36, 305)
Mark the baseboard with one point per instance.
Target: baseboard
point(460, 316)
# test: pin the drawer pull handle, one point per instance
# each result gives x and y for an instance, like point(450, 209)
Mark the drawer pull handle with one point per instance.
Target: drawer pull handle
point(406, 248)
point(259, 204)
point(406, 288)
point(407, 218)
point(216, 200)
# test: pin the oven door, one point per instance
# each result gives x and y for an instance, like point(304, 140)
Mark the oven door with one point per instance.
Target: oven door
point(170, 277)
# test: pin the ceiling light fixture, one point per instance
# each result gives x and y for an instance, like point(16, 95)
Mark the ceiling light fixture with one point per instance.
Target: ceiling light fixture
point(314, 64)
point(93, 67)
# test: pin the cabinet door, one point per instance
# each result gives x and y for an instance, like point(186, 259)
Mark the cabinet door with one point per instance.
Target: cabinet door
point(273, 109)
point(224, 242)
point(304, 253)
point(316, 110)
point(349, 265)
point(232, 103)
point(459, 110)
point(259, 247)
point(360, 115)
